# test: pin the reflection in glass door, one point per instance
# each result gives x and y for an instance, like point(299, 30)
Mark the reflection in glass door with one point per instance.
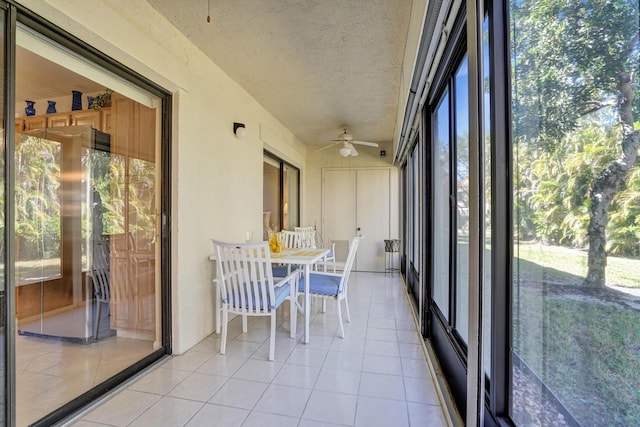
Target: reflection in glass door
point(87, 197)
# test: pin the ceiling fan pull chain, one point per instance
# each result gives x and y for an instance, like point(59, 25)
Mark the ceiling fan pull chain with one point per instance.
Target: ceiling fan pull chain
point(209, 12)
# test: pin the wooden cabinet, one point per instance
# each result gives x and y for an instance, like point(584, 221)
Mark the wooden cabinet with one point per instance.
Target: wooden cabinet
point(87, 117)
point(134, 129)
point(133, 135)
point(58, 120)
point(100, 119)
point(35, 122)
point(105, 119)
point(132, 278)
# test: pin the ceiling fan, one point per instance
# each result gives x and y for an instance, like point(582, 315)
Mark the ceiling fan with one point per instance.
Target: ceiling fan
point(346, 139)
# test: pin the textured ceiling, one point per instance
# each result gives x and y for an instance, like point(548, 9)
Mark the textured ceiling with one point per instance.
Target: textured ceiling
point(314, 64)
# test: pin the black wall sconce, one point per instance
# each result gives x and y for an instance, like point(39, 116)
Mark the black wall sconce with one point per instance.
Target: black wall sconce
point(239, 130)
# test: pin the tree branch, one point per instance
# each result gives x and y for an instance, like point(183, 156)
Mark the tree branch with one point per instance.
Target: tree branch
point(594, 106)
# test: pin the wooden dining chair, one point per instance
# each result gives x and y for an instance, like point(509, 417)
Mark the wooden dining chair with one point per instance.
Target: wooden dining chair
point(333, 286)
point(248, 287)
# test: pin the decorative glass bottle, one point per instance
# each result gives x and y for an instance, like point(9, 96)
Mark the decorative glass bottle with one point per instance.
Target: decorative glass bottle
point(30, 110)
point(51, 109)
point(76, 100)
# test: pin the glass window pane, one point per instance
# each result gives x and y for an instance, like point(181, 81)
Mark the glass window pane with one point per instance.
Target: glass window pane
point(291, 203)
point(461, 85)
point(486, 220)
point(271, 195)
point(415, 200)
point(441, 187)
point(576, 215)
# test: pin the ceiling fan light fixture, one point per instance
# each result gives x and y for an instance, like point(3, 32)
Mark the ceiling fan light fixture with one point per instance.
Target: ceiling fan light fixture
point(345, 151)
point(345, 136)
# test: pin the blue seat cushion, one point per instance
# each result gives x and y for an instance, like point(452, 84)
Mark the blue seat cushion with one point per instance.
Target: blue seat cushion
point(281, 293)
point(321, 284)
point(280, 271)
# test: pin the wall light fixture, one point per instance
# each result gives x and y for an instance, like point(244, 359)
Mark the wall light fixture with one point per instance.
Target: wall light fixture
point(239, 130)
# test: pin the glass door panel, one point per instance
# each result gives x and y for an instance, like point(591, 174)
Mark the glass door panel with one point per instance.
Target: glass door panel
point(271, 195)
point(486, 218)
point(461, 87)
point(291, 202)
point(87, 197)
point(576, 124)
point(281, 195)
point(441, 206)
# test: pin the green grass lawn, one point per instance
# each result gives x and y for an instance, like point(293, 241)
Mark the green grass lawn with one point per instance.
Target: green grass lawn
point(558, 263)
point(586, 350)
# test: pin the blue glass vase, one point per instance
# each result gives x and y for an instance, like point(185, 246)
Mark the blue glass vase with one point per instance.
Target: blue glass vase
point(51, 109)
point(30, 110)
point(76, 100)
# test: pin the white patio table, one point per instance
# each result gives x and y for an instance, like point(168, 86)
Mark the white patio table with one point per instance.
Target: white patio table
point(305, 257)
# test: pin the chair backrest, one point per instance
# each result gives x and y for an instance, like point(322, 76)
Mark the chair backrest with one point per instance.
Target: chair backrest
point(292, 239)
point(100, 270)
point(348, 264)
point(308, 236)
point(247, 278)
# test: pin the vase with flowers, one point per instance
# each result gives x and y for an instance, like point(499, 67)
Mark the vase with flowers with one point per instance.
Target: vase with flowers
point(102, 100)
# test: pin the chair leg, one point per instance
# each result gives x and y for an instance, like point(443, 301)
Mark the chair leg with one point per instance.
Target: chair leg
point(272, 340)
point(97, 323)
point(324, 305)
point(223, 338)
point(339, 317)
point(244, 324)
point(346, 306)
point(293, 313)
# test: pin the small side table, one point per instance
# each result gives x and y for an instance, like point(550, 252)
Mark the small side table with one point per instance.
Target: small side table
point(390, 247)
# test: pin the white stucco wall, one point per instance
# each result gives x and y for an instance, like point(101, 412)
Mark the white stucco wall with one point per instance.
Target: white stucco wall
point(216, 178)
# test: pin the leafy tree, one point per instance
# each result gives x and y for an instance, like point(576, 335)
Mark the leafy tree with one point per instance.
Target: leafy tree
point(577, 58)
point(37, 205)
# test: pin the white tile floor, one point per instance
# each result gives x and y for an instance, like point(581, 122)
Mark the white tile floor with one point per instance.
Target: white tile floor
point(50, 373)
point(376, 376)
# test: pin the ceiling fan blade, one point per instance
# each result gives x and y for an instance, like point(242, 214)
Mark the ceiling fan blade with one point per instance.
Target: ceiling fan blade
point(328, 146)
point(370, 144)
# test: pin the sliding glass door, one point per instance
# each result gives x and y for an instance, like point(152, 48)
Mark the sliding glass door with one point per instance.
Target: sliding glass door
point(281, 195)
point(85, 171)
